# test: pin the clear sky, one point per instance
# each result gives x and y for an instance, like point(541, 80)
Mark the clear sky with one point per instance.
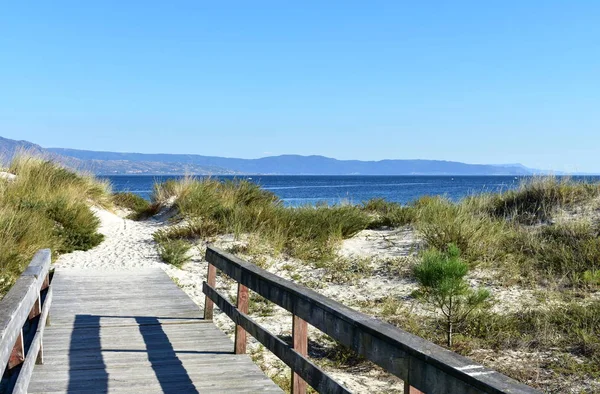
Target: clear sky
point(479, 82)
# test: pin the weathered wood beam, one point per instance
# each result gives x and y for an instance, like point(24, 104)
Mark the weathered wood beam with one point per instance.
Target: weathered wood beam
point(240, 334)
point(14, 312)
point(312, 374)
point(211, 279)
point(300, 343)
point(428, 367)
point(35, 354)
point(21, 304)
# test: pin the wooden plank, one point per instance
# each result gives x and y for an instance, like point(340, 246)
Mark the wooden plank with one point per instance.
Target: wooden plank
point(312, 374)
point(300, 343)
point(18, 305)
point(39, 266)
point(136, 342)
point(43, 322)
point(240, 333)
point(427, 366)
point(27, 367)
point(35, 352)
point(211, 278)
point(14, 310)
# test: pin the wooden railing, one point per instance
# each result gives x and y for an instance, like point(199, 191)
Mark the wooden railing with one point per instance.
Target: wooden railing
point(23, 316)
point(423, 366)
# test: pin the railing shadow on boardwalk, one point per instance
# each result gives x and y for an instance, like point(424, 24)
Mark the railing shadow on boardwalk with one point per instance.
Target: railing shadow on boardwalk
point(170, 372)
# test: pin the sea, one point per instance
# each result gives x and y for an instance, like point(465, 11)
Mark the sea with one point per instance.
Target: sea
point(296, 190)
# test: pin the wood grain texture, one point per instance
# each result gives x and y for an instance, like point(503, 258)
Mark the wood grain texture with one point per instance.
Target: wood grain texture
point(300, 343)
point(408, 389)
point(312, 374)
point(428, 367)
point(16, 307)
point(17, 355)
point(136, 333)
point(211, 278)
point(240, 334)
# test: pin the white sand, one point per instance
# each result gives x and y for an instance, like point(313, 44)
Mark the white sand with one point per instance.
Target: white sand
point(8, 176)
point(392, 243)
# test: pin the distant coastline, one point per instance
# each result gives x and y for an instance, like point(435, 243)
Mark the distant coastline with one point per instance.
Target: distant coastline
point(115, 163)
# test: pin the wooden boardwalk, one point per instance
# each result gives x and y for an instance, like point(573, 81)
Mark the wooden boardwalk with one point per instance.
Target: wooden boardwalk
point(136, 332)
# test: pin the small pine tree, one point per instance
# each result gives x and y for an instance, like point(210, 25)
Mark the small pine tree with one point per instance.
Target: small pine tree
point(442, 284)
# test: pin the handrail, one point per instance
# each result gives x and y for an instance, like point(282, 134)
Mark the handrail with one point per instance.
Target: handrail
point(24, 313)
point(422, 365)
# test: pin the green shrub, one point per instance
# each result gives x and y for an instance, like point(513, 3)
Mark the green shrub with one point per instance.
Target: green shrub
point(142, 208)
point(174, 251)
point(442, 284)
point(75, 225)
point(22, 233)
point(591, 278)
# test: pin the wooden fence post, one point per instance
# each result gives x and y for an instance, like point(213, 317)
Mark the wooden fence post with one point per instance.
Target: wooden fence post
point(300, 343)
point(36, 310)
point(211, 279)
point(17, 356)
point(242, 306)
point(408, 389)
point(46, 282)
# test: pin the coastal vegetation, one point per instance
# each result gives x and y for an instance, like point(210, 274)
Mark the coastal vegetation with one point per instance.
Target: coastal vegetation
point(511, 231)
point(540, 241)
point(442, 285)
point(45, 206)
point(173, 251)
point(542, 238)
point(210, 208)
point(139, 207)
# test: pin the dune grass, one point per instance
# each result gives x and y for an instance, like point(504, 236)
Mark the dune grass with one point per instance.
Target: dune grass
point(568, 334)
point(174, 251)
point(517, 234)
point(536, 199)
point(140, 207)
point(210, 207)
point(388, 214)
point(47, 206)
point(509, 231)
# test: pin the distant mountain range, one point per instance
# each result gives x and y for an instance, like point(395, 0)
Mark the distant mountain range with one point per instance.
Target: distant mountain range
point(113, 163)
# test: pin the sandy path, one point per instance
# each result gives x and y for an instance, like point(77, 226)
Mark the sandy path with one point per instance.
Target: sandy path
point(127, 245)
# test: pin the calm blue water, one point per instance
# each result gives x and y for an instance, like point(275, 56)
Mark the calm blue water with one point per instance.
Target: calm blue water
point(299, 190)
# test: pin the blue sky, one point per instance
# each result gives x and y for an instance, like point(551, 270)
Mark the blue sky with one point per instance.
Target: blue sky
point(479, 82)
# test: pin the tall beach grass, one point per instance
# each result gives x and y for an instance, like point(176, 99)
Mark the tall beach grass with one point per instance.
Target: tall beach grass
point(211, 207)
point(511, 231)
point(46, 206)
